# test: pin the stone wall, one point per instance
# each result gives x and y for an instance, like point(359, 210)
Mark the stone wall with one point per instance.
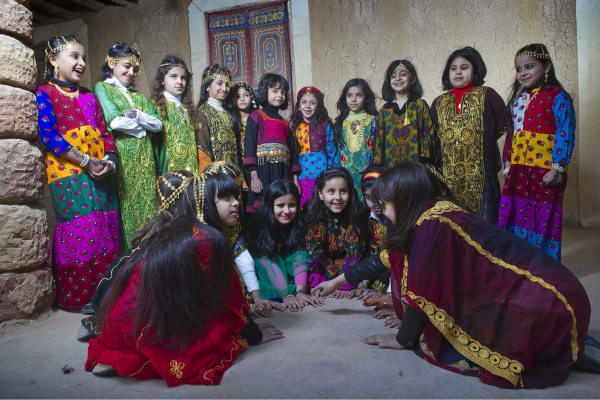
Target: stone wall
point(360, 38)
point(26, 283)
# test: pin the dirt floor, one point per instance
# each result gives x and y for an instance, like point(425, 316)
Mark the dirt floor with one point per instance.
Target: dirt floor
point(322, 356)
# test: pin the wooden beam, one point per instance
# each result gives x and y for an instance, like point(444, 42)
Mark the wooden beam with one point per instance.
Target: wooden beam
point(93, 5)
point(51, 8)
point(121, 3)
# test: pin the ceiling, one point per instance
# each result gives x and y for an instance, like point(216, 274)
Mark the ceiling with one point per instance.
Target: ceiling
point(53, 11)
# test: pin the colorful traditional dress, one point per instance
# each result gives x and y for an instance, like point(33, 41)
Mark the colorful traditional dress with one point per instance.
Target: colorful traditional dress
point(316, 151)
point(267, 150)
point(176, 148)
point(379, 233)
point(543, 134)
point(215, 134)
point(86, 236)
point(469, 122)
point(333, 247)
point(279, 275)
point(493, 306)
point(136, 175)
point(405, 134)
point(202, 362)
point(356, 153)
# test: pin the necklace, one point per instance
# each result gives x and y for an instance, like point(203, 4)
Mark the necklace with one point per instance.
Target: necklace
point(71, 95)
point(531, 97)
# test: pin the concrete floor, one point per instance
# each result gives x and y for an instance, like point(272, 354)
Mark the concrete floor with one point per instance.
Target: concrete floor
point(321, 357)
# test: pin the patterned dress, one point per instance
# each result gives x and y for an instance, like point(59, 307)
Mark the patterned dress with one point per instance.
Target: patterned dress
point(356, 153)
point(378, 233)
point(136, 175)
point(543, 133)
point(333, 247)
point(316, 150)
point(215, 136)
point(405, 134)
point(279, 275)
point(468, 135)
point(86, 236)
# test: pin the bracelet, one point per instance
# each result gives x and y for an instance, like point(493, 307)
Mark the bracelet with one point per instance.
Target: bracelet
point(300, 291)
point(289, 295)
point(505, 172)
point(86, 160)
point(558, 168)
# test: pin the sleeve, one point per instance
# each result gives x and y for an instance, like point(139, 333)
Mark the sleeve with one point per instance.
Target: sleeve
point(203, 142)
point(564, 118)
point(499, 113)
point(250, 144)
point(295, 166)
point(437, 146)
point(379, 145)
point(315, 239)
point(127, 126)
point(147, 121)
point(110, 110)
point(296, 265)
point(245, 264)
point(411, 327)
point(426, 132)
point(107, 137)
point(367, 269)
point(47, 126)
point(333, 153)
point(507, 150)
point(251, 332)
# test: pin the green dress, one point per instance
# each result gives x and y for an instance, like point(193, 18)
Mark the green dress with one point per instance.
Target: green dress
point(279, 275)
point(136, 175)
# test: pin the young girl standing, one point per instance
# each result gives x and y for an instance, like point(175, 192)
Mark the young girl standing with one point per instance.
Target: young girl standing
point(337, 225)
point(355, 128)
point(314, 142)
point(215, 133)
point(267, 143)
point(276, 241)
point(241, 105)
point(130, 116)
point(79, 154)
point(172, 96)
point(404, 127)
point(469, 119)
point(537, 151)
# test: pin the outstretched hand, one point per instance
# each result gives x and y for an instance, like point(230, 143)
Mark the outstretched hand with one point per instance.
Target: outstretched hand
point(306, 299)
point(270, 333)
point(324, 289)
point(387, 341)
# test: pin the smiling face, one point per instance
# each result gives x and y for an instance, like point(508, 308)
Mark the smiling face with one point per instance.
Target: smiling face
point(243, 100)
point(227, 207)
point(276, 95)
point(355, 99)
point(70, 63)
point(401, 81)
point(308, 106)
point(335, 194)
point(125, 72)
point(218, 89)
point(369, 201)
point(285, 209)
point(530, 71)
point(175, 81)
point(461, 73)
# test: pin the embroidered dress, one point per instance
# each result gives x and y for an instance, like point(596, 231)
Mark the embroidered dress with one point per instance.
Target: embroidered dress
point(468, 123)
point(378, 233)
point(177, 146)
point(267, 150)
point(316, 150)
point(86, 236)
point(136, 175)
point(356, 153)
point(494, 306)
point(333, 247)
point(405, 134)
point(279, 275)
point(202, 362)
point(215, 134)
point(544, 133)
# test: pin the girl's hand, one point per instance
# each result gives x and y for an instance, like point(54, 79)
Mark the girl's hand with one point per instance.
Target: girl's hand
point(276, 306)
point(130, 114)
point(387, 341)
point(292, 304)
point(108, 168)
point(324, 289)
point(392, 322)
point(297, 184)
point(376, 300)
point(384, 313)
point(306, 299)
point(269, 333)
point(552, 178)
point(367, 294)
point(349, 294)
point(95, 168)
point(255, 183)
point(506, 168)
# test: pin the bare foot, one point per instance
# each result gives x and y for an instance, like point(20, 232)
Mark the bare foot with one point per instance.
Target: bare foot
point(270, 333)
point(387, 341)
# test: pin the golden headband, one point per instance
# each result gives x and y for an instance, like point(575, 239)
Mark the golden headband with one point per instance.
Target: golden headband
point(217, 73)
point(436, 173)
point(67, 43)
point(227, 168)
point(401, 68)
point(540, 52)
point(371, 175)
point(129, 59)
point(174, 65)
point(167, 202)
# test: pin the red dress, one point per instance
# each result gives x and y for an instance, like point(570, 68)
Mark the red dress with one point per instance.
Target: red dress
point(202, 362)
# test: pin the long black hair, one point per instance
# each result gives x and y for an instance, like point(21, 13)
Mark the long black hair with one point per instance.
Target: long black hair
point(117, 50)
point(409, 186)
point(540, 52)
point(270, 81)
point(343, 109)
point(169, 62)
point(264, 237)
point(319, 116)
point(355, 209)
point(471, 55)
point(230, 103)
point(211, 69)
point(181, 287)
point(416, 89)
point(51, 45)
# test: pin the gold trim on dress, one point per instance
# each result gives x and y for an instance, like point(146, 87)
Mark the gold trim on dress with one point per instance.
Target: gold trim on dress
point(176, 368)
point(139, 370)
point(385, 259)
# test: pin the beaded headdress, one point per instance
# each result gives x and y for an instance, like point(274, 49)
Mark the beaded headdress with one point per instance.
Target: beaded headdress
point(436, 173)
point(166, 202)
point(400, 68)
point(199, 182)
point(308, 90)
point(168, 64)
point(227, 168)
point(216, 72)
point(132, 59)
point(66, 43)
point(249, 88)
point(540, 52)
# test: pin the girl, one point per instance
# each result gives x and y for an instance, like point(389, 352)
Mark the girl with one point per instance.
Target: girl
point(172, 96)
point(276, 239)
point(79, 154)
point(404, 127)
point(355, 128)
point(537, 151)
point(267, 142)
point(185, 322)
point(130, 115)
point(215, 133)
point(242, 104)
point(469, 119)
point(337, 225)
point(314, 142)
point(473, 298)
